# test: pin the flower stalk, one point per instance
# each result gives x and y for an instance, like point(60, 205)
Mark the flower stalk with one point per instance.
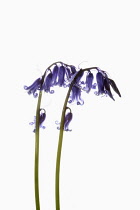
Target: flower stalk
point(59, 149)
point(36, 164)
point(63, 75)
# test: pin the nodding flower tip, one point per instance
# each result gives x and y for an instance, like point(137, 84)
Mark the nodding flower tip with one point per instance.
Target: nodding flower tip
point(89, 80)
point(32, 89)
point(104, 83)
point(75, 95)
point(41, 119)
point(67, 120)
point(48, 83)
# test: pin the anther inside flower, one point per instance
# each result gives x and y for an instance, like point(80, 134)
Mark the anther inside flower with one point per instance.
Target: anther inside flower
point(41, 120)
point(67, 120)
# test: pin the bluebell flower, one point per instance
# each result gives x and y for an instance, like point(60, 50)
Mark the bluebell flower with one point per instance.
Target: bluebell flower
point(37, 85)
point(61, 76)
point(107, 88)
point(68, 73)
point(41, 120)
point(67, 120)
point(104, 83)
point(75, 95)
point(89, 80)
point(100, 83)
point(48, 83)
point(55, 75)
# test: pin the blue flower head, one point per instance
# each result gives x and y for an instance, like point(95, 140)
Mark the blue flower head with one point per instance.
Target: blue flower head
point(89, 80)
point(54, 75)
point(104, 83)
point(41, 119)
point(76, 95)
point(32, 89)
point(61, 76)
point(67, 120)
point(48, 83)
point(114, 86)
point(100, 83)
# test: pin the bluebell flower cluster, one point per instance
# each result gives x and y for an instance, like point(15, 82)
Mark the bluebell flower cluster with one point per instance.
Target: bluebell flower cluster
point(59, 74)
point(86, 81)
point(41, 119)
point(62, 75)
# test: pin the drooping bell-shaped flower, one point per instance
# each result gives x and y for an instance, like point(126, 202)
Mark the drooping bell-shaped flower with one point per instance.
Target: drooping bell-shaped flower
point(48, 83)
point(104, 84)
point(107, 88)
point(41, 119)
point(114, 86)
point(61, 76)
point(67, 120)
point(76, 95)
point(32, 89)
point(55, 75)
point(89, 81)
point(100, 83)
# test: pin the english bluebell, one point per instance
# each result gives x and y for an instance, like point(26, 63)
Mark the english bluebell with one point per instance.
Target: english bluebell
point(67, 120)
point(100, 83)
point(54, 75)
point(89, 81)
point(114, 86)
point(32, 89)
point(103, 83)
point(48, 83)
point(75, 95)
point(41, 119)
point(107, 88)
point(61, 76)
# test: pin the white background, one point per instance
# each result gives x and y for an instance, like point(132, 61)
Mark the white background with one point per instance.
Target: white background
point(100, 166)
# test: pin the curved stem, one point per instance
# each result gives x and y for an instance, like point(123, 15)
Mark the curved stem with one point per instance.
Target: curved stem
point(59, 149)
point(57, 196)
point(36, 166)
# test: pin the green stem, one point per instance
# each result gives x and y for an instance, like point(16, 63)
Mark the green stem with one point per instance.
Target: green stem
point(57, 196)
point(59, 149)
point(36, 166)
